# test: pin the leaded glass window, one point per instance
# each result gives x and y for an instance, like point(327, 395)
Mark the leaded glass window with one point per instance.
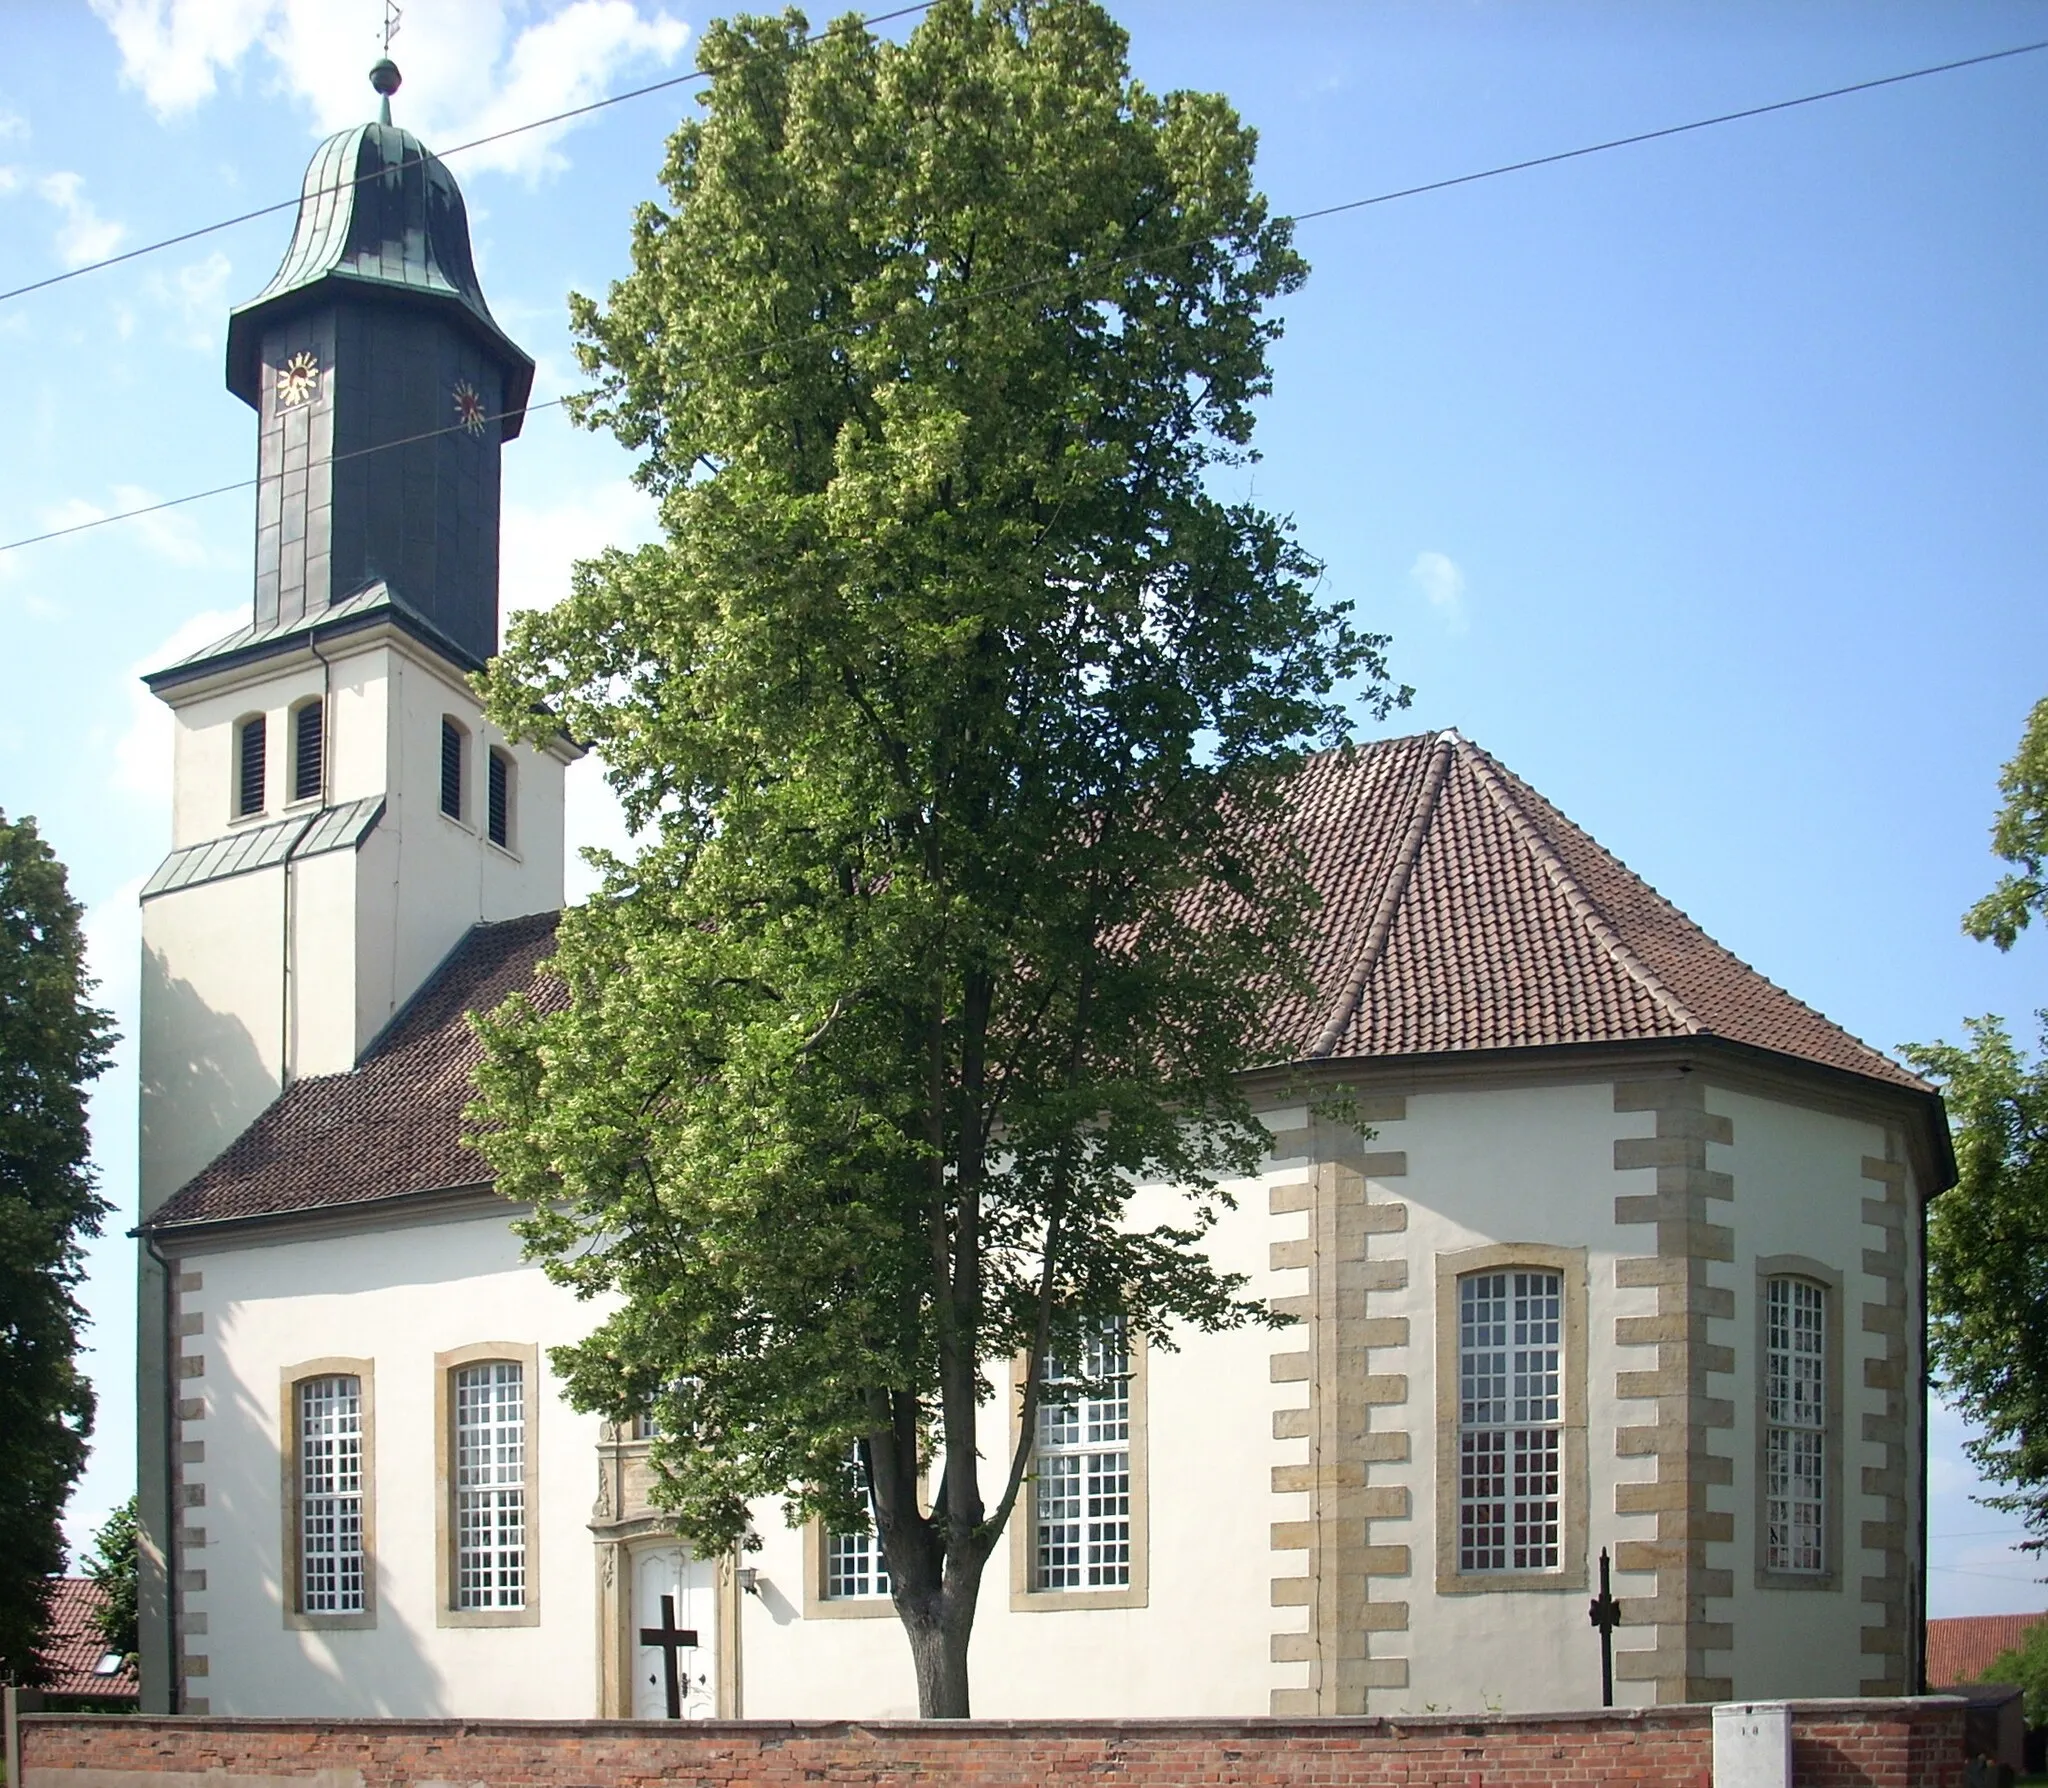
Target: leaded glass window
point(330, 1442)
point(1082, 1466)
point(1795, 1425)
point(1510, 1420)
point(490, 1485)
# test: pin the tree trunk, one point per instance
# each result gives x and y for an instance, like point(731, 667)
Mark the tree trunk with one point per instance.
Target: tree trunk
point(938, 1653)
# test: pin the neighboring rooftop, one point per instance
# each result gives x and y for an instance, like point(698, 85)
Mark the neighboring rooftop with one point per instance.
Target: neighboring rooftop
point(1961, 1648)
point(1461, 912)
point(74, 1650)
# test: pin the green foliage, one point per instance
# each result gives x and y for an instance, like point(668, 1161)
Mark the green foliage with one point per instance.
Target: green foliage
point(1987, 1260)
point(955, 710)
point(2026, 1666)
point(51, 1044)
point(2020, 836)
point(115, 1564)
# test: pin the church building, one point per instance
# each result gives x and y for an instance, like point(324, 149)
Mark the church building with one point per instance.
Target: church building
point(1625, 1258)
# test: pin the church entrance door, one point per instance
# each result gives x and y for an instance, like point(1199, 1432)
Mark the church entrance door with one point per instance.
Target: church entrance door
point(671, 1571)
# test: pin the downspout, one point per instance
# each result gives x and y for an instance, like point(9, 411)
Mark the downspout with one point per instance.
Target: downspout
point(1918, 1637)
point(172, 1513)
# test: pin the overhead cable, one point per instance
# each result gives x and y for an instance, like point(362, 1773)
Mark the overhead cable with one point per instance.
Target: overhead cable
point(1066, 273)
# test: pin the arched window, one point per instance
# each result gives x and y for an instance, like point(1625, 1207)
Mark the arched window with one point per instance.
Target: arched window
point(499, 815)
point(251, 744)
point(454, 748)
point(1795, 1425)
point(330, 1485)
point(1510, 1421)
point(309, 747)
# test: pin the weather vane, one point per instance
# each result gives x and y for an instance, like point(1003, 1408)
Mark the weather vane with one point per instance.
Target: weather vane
point(391, 17)
point(384, 77)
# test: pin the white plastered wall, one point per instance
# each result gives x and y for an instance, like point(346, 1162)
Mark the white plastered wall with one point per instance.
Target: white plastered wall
point(1530, 1164)
point(1799, 1191)
point(396, 1298)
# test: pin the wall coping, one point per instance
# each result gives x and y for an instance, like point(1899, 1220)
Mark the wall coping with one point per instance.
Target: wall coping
point(1873, 1708)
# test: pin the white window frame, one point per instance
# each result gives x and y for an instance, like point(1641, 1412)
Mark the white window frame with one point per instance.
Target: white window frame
point(1799, 1405)
point(1081, 1528)
point(313, 1498)
point(1511, 1420)
point(500, 1490)
point(295, 764)
point(1558, 1416)
point(854, 1568)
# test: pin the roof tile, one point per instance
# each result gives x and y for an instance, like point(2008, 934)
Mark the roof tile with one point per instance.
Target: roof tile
point(1460, 911)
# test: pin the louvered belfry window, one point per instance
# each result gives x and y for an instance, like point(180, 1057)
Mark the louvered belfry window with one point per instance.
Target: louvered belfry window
point(1795, 1425)
point(330, 1417)
point(1083, 1465)
point(250, 747)
point(500, 815)
point(308, 730)
point(490, 1485)
point(452, 740)
point(1510, 1429)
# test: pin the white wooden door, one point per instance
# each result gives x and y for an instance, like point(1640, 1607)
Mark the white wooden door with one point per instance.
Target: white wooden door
point(670, 1571)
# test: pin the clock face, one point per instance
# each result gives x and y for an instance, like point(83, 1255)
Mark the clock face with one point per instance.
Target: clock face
point(298, 379)
point(469, 408)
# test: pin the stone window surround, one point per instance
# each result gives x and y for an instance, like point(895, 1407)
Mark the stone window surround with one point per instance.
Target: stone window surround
point(1829, 1279)
point(290, 1378)
point(446, 1614)
point(818, 1605)
point(1023, 1524)
point(1574, 1483)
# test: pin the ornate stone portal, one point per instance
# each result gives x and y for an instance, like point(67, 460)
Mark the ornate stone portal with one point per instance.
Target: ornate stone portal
point(629, 1533)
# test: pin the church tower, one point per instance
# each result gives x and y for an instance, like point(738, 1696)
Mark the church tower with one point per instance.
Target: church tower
point(342, 812)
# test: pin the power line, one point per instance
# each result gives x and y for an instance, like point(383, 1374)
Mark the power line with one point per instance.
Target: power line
point(496, 136)
point(768, 347)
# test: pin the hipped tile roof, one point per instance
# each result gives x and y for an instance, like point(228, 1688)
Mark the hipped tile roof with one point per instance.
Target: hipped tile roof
point(72, 1647)
point(1460, 912)
point(1960, 1649)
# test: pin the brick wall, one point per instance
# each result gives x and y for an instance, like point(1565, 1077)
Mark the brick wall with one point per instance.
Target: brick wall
point(1837, 1744)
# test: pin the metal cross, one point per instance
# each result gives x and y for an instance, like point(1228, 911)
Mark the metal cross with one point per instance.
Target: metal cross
point(672, 1639)
point(1605, 1614)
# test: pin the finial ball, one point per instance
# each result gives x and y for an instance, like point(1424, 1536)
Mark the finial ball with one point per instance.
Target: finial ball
point(385, 77)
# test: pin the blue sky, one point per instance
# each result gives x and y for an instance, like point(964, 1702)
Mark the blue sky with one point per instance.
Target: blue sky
point(1700, 481)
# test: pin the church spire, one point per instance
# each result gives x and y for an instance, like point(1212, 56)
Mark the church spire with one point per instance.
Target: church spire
point(385, 389)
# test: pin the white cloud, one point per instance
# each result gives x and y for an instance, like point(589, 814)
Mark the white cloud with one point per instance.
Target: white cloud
point(1437, 576)
point(84, 235)
point(13, 126)
point(471, 68)
point(10, 178)
point(196, 294)
point(142, 754)
point(540, 545)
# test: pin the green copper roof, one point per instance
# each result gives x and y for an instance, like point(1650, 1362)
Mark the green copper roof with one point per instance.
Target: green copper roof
point(303, 835)
point(379, 213)
point(370, 605)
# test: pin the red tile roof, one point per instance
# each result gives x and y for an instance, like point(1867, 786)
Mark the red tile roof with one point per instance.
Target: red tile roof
point(1460, 911)
point(1960, 1649)
point(394, 1125)
point(72, 1645)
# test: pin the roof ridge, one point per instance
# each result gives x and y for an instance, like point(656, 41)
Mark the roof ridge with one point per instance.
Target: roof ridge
point(1391, 896)
point(1583, 906)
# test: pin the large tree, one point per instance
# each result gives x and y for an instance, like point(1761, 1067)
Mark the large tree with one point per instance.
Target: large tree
point(52, 1043)
point(955, 711)
point(1987, 1237)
